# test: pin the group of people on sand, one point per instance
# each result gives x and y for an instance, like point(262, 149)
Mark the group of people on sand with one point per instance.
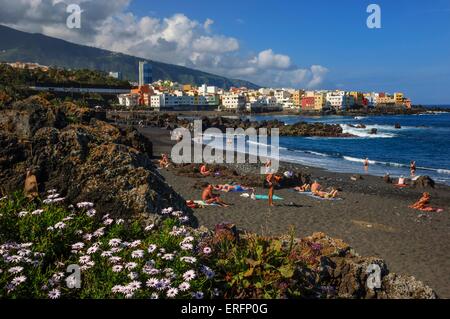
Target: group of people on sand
point(317, 190)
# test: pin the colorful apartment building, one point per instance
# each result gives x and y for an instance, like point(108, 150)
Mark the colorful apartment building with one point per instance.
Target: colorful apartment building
point(308, 103)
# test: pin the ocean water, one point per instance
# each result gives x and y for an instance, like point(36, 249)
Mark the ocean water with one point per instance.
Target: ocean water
point(423, 138)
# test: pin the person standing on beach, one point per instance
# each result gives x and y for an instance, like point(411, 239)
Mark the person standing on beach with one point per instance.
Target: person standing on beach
point(412, 167)
point(271, 179)
point(366, 164)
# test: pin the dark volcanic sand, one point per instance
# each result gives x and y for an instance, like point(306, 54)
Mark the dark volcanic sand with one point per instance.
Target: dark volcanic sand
point(373, 217)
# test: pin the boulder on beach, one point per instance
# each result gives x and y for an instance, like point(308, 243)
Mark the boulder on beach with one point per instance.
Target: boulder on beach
point(423, 182)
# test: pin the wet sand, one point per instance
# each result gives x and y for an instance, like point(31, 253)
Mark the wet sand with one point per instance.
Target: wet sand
point(373, 217)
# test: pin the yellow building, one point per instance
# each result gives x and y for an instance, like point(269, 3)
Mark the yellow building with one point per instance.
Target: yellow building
point(319, 101)
point(187, 87)
point(297, 97)
point(398, 97)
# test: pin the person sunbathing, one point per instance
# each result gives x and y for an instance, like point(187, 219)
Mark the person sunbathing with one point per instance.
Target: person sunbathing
point(302, 189)
point(204, 170)
point(331, 194)
point(209, 197)
point(232, 188)
point(423, 204)
point(164, 161)
point(316, 189)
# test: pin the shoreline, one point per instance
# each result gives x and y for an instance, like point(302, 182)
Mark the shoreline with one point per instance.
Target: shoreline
point(373, 216)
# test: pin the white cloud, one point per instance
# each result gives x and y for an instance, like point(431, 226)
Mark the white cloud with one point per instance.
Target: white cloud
point(269, 60)
point(176, 39)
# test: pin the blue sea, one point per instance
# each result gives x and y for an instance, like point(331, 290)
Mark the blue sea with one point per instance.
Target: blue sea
point(424, 138)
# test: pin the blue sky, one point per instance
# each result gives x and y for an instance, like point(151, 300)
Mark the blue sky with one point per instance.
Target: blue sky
point(410, 53)
point(320, 44)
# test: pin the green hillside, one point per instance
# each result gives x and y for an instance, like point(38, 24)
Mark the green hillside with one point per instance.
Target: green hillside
point(27, 47)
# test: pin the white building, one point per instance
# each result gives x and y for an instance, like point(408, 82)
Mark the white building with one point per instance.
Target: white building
point(204, 90)
point(128, 100)
point(233, 101)
point(339, 100)
point(164, 100)
point(282, 96)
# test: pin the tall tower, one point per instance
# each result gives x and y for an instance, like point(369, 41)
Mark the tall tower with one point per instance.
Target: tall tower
point(145, 73)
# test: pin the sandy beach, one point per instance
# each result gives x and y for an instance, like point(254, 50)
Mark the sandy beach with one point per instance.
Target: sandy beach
point(373, 216)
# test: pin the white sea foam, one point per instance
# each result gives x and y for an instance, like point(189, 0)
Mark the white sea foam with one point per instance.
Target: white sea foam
point(365, 132)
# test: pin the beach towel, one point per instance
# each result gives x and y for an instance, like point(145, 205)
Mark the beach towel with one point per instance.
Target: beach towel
point(310, 194)
point(203, 203)
point(199, 204)
point(321, 198)
point(266, 197)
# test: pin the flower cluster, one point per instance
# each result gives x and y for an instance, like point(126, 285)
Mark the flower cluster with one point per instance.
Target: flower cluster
point(151, 261)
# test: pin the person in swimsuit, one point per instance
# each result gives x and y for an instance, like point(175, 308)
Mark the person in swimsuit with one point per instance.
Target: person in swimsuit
point(209, 197)
point(412, 167)
point(366, 164)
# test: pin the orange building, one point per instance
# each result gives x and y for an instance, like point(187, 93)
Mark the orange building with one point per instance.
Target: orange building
point(144, 92)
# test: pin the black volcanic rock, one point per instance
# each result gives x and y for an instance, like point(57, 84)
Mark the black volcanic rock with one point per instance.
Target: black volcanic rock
point(93, 161)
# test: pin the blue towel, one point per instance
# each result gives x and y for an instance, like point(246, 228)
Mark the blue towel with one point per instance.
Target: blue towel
point(275, 197)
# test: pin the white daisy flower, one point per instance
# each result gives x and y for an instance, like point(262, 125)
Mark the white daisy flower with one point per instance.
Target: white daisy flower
point(172, 292)
point(54, 294)
point(37, 212)
point(60, 225)
point(18, 280)
point(85, 205)
point(91, 212)
point(151, 248)
point(15, 270)
point(78, 246)
point(131, 265)
point(137, 254)
point(115, 242)
point(117, 268)
point(149, 227)
point(108, 221)
point(167, 257)
point(152, 282)
point(184, 286)
point(84, 259)
point(115, 259)
point(189, 275)
point(207, 250)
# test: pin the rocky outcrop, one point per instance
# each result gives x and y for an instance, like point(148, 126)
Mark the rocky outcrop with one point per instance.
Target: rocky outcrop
point(348, 273)
point(171, 121)
point(89, 160)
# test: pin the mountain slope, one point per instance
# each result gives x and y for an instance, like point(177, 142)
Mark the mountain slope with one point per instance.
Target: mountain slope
point(32, 47)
